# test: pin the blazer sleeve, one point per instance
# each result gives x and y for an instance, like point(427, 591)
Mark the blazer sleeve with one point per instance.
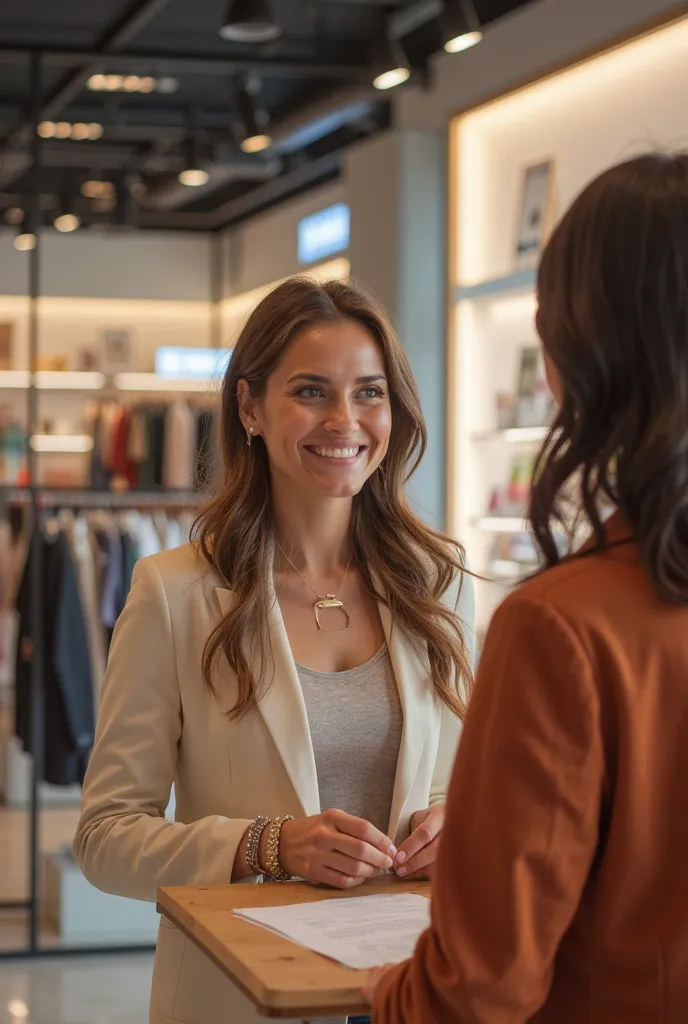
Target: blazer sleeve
point(124, 844)
point(451, 727)
point(520, 834)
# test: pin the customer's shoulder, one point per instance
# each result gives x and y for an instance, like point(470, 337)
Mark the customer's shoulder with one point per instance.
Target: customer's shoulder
point(589, 587)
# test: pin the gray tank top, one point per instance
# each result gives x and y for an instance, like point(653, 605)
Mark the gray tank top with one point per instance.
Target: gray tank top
point(356, 722)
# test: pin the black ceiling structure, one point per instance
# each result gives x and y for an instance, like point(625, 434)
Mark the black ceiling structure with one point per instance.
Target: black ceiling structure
point(128, 93)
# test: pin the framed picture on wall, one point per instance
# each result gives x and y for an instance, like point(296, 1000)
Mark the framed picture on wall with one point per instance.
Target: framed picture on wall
point(6, 346)
point(536, 213)
point(116, 350)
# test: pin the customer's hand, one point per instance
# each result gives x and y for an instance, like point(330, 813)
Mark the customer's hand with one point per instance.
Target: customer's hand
point(416, 857)
point(374, 978)
point(334, 848)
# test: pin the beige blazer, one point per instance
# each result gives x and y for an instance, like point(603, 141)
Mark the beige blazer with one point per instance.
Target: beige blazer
point(158, 725)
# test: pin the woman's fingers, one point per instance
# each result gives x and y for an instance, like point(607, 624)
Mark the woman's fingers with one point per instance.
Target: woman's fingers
point(361, 851)
point(348, 866)
point(423, 836)
point(360, 829)
point(418, 866)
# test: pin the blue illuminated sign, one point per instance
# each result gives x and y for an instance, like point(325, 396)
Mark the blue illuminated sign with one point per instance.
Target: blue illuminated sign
point(191, 363)
point(324, 233)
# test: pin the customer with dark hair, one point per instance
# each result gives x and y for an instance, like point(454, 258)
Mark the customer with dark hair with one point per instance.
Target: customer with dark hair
point(299, 671)
point(561, 892)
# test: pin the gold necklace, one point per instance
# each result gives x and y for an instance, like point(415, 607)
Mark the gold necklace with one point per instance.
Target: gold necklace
point(324, 601)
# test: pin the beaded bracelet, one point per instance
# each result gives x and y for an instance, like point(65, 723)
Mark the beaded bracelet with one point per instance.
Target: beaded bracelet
point(255, 834)
point(273, 865)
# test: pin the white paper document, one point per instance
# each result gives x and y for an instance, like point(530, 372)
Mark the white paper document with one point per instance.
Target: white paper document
point(359, 932)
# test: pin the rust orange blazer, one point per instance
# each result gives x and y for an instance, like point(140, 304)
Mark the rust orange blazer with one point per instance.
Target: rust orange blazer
point(561, 891)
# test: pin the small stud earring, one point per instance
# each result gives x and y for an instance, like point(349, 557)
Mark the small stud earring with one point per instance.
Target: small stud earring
point(249, 436)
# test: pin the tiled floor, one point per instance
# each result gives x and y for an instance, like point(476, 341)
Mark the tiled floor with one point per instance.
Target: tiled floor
point(88, 990)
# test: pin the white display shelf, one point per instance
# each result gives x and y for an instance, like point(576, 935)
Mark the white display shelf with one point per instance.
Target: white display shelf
point(518, 281)
point(512, 435)
point(83, 381)
point(500, 524)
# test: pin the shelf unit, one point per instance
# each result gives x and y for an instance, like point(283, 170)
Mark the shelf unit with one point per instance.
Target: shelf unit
point(493, 297)
point(493, 320)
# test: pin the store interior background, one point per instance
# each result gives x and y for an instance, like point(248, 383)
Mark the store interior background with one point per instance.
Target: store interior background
point(433, 190)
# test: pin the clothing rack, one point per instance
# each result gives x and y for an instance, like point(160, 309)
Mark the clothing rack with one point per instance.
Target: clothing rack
point(48, 498)
point(39, 500)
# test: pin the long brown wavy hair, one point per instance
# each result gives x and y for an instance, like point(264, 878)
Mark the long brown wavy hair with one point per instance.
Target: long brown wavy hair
point(613, 318)
point(403, 562)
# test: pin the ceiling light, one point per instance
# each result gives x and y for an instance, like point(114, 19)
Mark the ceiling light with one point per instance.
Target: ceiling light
point(132, 83)
point(249, 21)
point(17, 1008)
point(14, 215)
point(80, 131)
point(252, 119)
point(193, 177)
point(256, 143)
point(460, 25)
point(67, 222)
point(63, 130)
point(24, 241)
point(46, 129)
point(392, 66)
point(96, 189)
point(95, 131)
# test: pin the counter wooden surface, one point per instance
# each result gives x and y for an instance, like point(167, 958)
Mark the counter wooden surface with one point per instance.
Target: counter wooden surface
point(279, 977)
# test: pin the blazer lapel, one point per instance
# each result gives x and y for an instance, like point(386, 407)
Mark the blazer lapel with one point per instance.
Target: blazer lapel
point(284, 710)
point(418, 706)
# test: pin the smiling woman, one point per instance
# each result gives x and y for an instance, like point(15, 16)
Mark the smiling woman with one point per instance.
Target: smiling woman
point(300, 671)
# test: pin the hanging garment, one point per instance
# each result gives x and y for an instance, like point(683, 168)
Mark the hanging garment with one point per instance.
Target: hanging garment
point(69, 715)
point(112, 596)
point(205, 475)
point(179, 462)
point(88, 581)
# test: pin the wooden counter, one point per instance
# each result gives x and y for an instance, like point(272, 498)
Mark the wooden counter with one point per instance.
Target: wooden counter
point(279, 977)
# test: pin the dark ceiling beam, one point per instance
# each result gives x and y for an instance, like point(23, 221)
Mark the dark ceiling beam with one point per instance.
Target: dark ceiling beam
point(135, 16)
point(189, 63)
point(307, 175)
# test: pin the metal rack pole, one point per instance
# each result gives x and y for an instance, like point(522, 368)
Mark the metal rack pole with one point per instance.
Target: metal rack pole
point(37, 704)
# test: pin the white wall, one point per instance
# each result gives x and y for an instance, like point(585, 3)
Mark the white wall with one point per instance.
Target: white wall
point(113, 265)
point(264, 249)
point(528, 44)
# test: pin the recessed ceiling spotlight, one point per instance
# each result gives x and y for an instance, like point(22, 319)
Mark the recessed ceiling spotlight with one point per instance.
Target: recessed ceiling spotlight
point(67, 222)
point(193, 177)
point(63, 130)
point(46, 129)
point(14, 215)
point(460, 25)
point(24, 241)
point(80, 131)
point(97, 189)
point(249, 21)
point(132, 83)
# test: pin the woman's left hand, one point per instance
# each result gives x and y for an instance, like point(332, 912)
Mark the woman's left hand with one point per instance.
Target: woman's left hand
point(416, 857)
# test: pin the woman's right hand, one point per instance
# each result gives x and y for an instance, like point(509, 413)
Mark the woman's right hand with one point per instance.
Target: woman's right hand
point(334, 848)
